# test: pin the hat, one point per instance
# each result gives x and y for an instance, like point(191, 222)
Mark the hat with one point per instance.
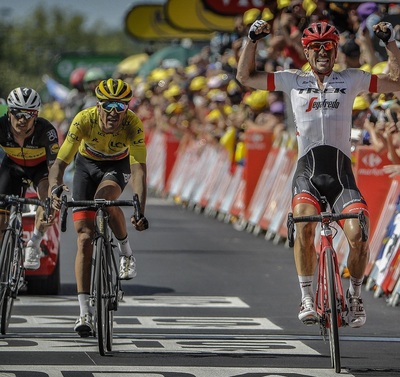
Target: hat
point(257, 99)
point(277, 107)
point(360, 103)
point(250, 16)
point(364, 11)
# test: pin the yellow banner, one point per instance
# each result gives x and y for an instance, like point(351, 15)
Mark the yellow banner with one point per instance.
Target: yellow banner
point(194, 16)
point(148, 22)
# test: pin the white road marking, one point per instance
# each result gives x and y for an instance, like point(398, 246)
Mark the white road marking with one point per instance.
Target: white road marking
point(148, 322)
point(145, 371)
point(165, 301)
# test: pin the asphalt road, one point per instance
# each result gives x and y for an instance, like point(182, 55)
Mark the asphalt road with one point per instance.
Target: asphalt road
point(208, 301)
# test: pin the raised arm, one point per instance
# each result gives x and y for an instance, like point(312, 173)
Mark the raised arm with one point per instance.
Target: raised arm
point(389, 82)
point(247, 74)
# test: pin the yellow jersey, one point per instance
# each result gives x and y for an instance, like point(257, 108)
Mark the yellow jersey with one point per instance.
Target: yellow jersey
point(86, 137)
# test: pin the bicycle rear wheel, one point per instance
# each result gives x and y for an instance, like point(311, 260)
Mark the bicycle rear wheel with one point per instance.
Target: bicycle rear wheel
point(333, 329)
point(6, 294)
point(102, 297)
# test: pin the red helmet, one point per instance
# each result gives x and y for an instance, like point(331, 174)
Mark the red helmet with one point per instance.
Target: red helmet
point(76, 77)
point(319, 31)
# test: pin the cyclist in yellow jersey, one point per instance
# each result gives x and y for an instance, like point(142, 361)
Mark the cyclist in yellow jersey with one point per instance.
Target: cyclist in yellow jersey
point(107, 142)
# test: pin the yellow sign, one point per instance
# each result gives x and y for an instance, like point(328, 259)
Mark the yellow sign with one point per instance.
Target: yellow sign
point(148, 22)
point(194, 16)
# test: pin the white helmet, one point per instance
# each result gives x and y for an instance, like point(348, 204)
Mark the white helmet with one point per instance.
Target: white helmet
point(23, 98)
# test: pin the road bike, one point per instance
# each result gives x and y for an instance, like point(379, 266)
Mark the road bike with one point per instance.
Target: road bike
point(12, 272)
point(105, 286)
point(330, 304)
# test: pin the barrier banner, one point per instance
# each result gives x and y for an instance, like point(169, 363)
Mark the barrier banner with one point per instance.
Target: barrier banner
point(171, 148)
point(371, 180)
point(281, 180)
point(258, 144)
point(265, 183)
point(155, 161)
point(381, 232)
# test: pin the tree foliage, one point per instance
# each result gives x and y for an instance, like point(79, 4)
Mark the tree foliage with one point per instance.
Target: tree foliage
point(29, 48)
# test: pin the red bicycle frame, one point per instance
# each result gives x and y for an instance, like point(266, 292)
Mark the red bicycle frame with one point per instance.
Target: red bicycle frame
point(321, 295)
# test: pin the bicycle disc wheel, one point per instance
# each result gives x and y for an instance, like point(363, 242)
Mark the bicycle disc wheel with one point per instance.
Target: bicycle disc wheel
point(333, 329)
point(6, 296)
point(102, 296)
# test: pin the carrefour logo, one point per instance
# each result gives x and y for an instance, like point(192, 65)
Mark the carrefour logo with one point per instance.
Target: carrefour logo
point(371, 160)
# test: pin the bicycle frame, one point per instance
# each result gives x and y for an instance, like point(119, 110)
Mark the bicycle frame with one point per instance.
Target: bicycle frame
point(105, 285)
point(330, 305)
point(326, 242)
point(12, 272)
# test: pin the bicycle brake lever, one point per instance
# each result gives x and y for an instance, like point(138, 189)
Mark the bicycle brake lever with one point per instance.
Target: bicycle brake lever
point(136, 207)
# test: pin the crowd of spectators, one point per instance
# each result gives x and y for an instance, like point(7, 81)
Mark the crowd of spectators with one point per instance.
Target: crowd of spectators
point(202, 102)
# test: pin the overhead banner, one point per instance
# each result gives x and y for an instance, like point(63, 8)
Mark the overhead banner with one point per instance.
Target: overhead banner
point(194, 16)
point(233, 7)
point(147, 22)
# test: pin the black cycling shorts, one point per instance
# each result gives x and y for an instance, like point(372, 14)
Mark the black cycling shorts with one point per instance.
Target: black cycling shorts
point(326, 172)
point(15, 179)
point(89, 173)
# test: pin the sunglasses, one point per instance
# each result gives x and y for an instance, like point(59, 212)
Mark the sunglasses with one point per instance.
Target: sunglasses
point(119, 107)
point(316, 46)
point(23, 114)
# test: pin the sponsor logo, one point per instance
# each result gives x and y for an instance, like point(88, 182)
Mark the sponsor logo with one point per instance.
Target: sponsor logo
point(325, 104)
point(52, 135)
point(54, 148)
point(371, 160)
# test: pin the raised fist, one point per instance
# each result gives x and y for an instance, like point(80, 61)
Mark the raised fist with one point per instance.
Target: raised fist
point(384, 31)
point(259, 29)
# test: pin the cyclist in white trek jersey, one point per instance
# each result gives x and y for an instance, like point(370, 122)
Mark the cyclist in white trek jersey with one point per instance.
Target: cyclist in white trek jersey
point(322, 102)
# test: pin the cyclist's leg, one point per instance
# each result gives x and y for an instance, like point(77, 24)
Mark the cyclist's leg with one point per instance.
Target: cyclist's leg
point(111, 187)
point(10, 184)
point(305, 202)
point(358, 256)
point(83, 223)
point(85, 182)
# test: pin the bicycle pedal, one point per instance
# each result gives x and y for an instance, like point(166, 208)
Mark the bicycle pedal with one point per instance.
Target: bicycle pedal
point(85, 334)
point(309, 321)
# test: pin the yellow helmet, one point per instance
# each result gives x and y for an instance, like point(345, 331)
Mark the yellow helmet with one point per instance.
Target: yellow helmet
point(114, 90)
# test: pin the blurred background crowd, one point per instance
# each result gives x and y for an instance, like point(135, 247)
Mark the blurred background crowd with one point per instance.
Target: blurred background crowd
point(193, 94)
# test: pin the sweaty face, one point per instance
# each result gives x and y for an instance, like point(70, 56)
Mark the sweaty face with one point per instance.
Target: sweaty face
point(321, 55)
point(111, 115)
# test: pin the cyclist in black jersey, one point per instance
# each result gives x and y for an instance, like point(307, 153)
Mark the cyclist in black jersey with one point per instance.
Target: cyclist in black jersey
point(322, 101)
point(106, 142)
point(31, 145)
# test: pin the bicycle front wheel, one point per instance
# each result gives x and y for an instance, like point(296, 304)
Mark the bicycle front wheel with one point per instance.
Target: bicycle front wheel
point(333, 329)
point(102, 297)
point(6, 294)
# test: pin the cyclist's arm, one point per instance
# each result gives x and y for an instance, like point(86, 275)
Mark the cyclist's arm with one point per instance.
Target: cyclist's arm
point(247, 74)
point(390, 82)
point(138, 181)
point(56, 174)
point(50, 141)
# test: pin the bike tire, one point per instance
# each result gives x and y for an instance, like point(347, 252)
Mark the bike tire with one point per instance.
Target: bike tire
point(102, 295)
point(333, 329)
point(6, 298)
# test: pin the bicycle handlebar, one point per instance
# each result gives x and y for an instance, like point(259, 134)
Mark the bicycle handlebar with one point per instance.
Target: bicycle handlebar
point(10, 199)
point(97, 203)
point(326, 218)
